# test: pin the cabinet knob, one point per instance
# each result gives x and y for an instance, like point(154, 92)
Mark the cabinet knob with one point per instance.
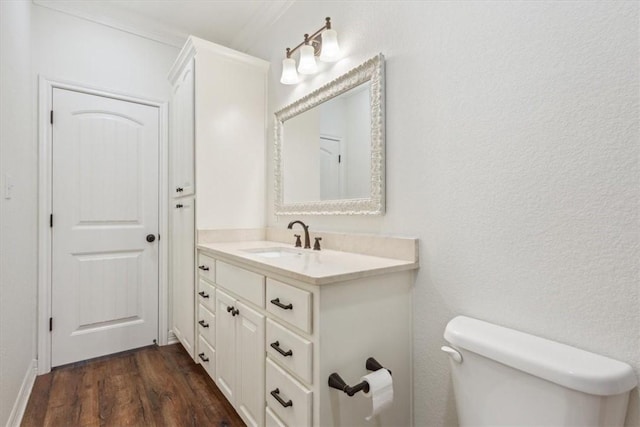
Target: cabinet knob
point(151, 238)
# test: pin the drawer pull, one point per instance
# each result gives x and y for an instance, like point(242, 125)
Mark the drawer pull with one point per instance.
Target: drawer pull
point(281, 305)
point(203, 357)
point(179, 205)
point(203, 324)
point(203, 294)
point(179, 190)
point(234, 311)
point(276, 395)
point(276, 347)
point(203, 267)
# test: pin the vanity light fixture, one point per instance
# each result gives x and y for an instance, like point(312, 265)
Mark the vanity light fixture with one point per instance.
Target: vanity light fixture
point(323, 43)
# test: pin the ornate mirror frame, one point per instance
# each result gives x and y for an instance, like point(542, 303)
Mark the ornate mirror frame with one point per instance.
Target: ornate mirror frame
point(372, 70)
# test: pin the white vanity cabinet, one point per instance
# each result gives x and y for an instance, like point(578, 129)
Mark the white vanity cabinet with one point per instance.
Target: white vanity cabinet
point(278, 339)
point(240, 357)
point(217, 157)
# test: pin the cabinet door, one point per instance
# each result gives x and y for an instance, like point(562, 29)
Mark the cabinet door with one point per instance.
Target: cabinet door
point(183, 271)
point(183, 133)
point(250, 360)
point(225, 345)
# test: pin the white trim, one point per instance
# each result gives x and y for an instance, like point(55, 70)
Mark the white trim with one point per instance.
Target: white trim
point(254, 27)
point(195, 44)
point(264, 17)
point(19, 406)
point(172, 338)
point(148, 29)
point(45, 89)
point(163, 225)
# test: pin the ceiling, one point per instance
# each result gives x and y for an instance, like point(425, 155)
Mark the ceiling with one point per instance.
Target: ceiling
point(236, 24)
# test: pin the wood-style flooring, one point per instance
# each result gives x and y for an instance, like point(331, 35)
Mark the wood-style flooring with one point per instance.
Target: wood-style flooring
point(152, 386)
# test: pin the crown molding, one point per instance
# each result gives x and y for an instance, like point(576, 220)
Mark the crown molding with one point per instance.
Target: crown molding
point(195, 45)
point(262, 19)
point(144, 28)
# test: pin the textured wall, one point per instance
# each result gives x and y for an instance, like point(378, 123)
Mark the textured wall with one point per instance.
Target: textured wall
point(512, 132)
point(18, 245)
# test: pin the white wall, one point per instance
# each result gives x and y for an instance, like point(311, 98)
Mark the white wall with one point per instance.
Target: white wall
point(35, 40)
point(18, 245)
point(77, 50)
point(512, 153)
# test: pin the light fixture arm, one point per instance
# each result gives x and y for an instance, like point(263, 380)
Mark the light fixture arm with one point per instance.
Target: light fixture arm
point(309, 38)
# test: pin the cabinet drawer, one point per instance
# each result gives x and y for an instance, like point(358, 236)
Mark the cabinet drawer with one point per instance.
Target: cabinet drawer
point(287, 389)
point(290, 304)
point(206, 324)
point(298, 352)
point(244, 283)
point(207, 357)
point(273, 420)
point(206, 267)
point(206, 295)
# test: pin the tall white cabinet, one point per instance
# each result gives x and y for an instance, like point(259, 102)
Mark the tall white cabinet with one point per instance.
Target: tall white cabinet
point(217, 164)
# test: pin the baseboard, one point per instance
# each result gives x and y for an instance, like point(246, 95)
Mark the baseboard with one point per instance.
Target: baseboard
point(172, 338)
point(17, 412)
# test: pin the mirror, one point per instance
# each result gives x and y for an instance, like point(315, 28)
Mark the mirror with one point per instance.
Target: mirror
point(329, 147)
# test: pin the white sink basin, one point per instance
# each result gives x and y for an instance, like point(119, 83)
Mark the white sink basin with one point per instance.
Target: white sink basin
point(274, 252)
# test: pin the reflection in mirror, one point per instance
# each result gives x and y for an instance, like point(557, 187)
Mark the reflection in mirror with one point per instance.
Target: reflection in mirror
point(329, 147)
point(327, 150)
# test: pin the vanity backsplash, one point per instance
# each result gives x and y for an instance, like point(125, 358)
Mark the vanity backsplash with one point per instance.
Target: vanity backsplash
point(402, 248)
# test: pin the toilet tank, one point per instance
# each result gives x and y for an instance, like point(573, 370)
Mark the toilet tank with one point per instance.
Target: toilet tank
point(503, 377)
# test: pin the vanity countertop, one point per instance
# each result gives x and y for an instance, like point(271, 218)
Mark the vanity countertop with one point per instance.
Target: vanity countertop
point(306, 265)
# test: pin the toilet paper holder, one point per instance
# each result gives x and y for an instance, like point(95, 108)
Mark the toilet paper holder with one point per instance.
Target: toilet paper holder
point(336, 381)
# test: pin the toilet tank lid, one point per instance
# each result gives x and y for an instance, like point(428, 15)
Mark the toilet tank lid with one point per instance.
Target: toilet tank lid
point(559, 363)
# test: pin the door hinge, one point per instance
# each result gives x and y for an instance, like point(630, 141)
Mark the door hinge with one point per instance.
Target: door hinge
point(50, 324)
point(339, 158)
point(51, 220)
point(51, 116)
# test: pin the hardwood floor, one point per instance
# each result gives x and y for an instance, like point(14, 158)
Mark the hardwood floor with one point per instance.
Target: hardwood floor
point(152, 386)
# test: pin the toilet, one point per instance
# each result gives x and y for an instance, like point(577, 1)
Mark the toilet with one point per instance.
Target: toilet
point(503, 377)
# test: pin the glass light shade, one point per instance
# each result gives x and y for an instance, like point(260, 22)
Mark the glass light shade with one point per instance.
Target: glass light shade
point(289, 73)
point(307, 63)
point(330, 48)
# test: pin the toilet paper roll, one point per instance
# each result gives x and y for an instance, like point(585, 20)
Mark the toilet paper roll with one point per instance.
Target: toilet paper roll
point(380, 390)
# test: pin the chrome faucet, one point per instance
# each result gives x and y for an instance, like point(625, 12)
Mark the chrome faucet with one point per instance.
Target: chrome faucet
point(307, 243)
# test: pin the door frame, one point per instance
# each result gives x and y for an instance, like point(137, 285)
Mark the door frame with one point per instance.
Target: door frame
point(45, 134)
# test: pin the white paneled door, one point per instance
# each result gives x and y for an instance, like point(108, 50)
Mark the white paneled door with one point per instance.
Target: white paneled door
point(105, 226)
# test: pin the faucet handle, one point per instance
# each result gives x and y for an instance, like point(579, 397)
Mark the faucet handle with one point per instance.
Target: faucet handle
point(316, 245)
point(298, 242)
